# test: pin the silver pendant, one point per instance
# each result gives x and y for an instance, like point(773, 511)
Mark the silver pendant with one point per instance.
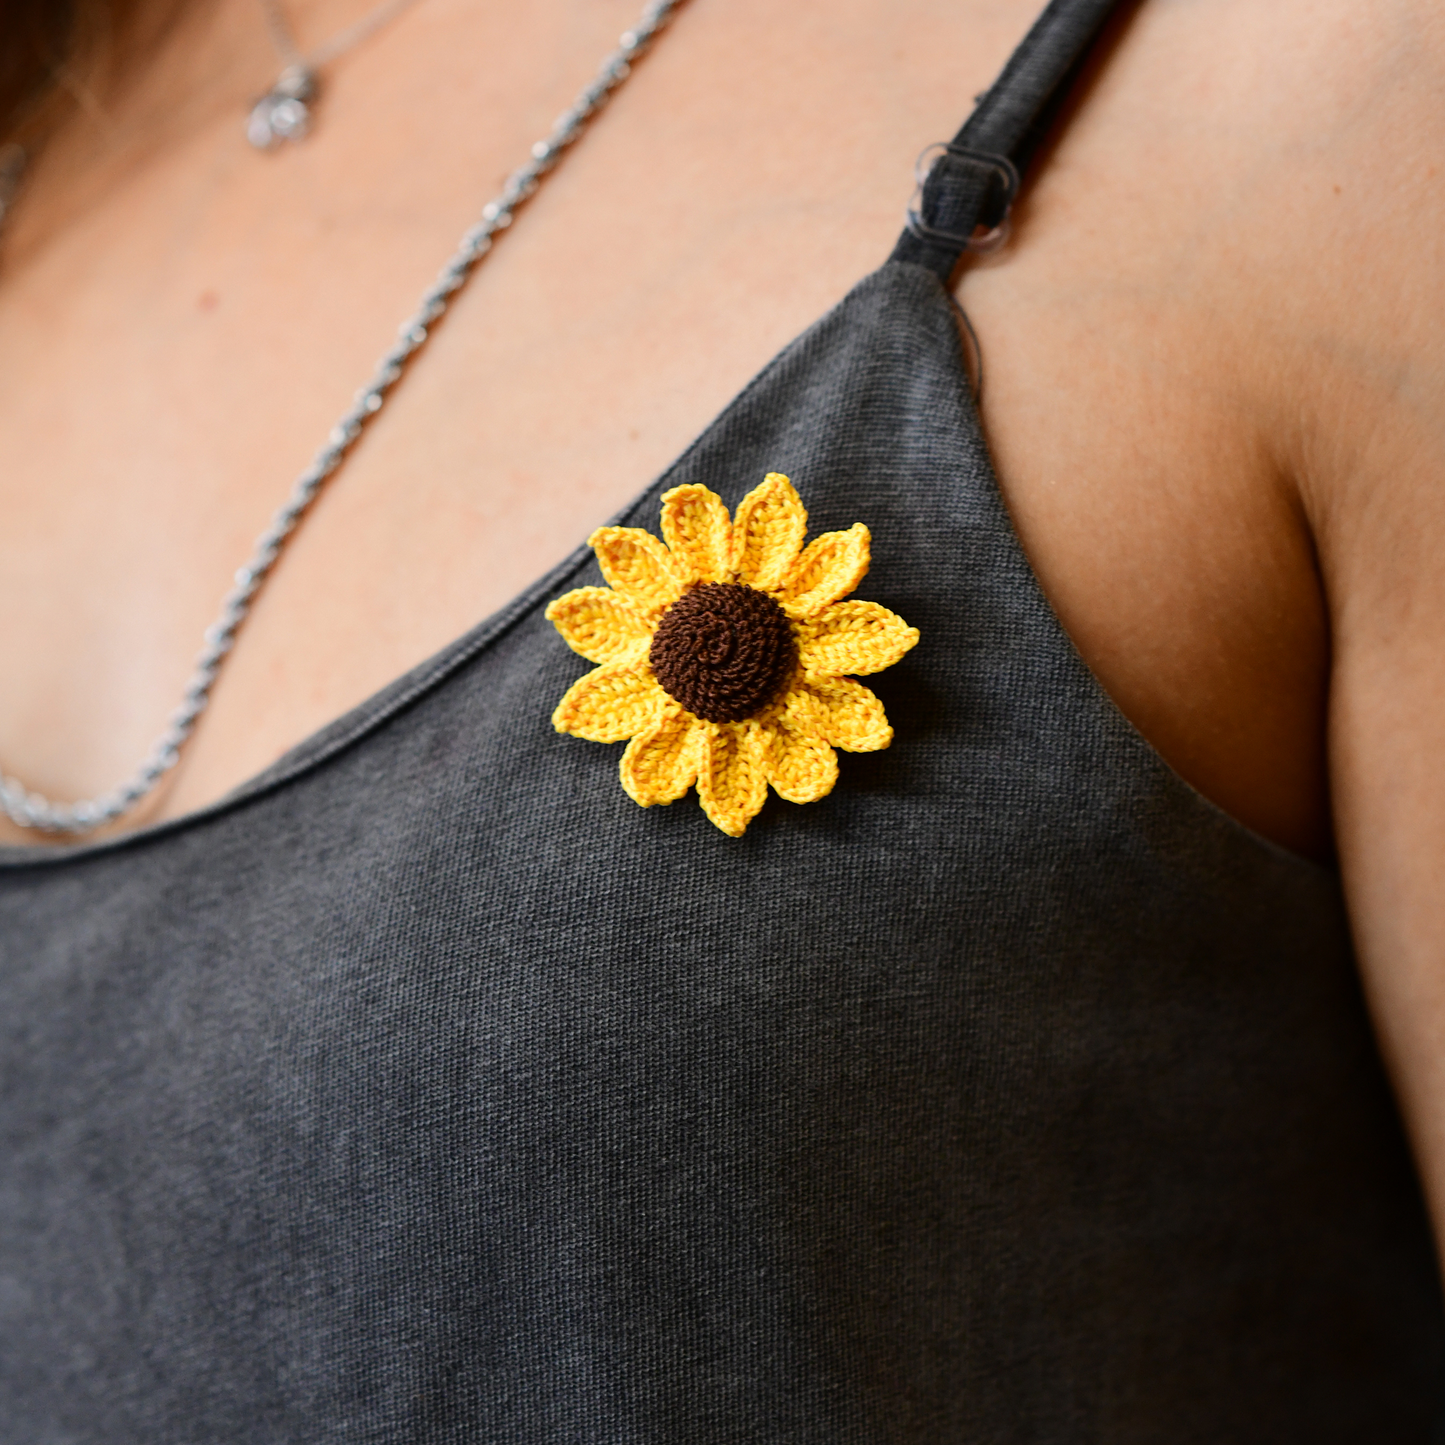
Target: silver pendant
point(284, 112)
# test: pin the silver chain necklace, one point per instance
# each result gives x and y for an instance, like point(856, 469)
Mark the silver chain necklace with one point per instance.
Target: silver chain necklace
point(284, 112)
point(31, 810)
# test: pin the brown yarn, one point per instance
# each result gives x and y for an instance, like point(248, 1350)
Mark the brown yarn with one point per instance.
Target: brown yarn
point(723, 651)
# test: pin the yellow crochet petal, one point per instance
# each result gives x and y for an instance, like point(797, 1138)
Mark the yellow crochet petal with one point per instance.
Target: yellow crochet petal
point(853, 637)
point(638, 566)
point(768, 532)
point(610, 703)
point(830, 567)
point(661, 762)
point(800, 765)
point(601, 625)
point(695, 524)
point(732, 781)
point(844, 712)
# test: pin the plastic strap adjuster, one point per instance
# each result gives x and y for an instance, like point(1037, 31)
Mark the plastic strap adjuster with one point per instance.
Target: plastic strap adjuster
point(926, 169)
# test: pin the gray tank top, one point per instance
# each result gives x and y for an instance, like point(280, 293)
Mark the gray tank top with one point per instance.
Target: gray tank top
point(427, 1089)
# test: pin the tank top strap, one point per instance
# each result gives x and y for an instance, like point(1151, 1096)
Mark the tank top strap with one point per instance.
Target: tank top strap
point(975, 176)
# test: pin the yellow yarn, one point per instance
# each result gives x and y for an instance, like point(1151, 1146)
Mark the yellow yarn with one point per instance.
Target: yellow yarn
point(789, 741)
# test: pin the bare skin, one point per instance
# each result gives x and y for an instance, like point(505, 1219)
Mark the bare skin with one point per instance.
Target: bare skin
point(1215, 379)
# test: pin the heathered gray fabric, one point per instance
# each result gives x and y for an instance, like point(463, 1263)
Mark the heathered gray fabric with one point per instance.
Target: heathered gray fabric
point(429, 1090)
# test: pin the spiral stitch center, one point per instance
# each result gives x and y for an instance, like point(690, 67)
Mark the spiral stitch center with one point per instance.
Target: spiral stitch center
point(723, 651)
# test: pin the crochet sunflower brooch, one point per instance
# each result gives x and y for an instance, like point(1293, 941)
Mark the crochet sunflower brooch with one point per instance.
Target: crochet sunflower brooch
point(725, 656)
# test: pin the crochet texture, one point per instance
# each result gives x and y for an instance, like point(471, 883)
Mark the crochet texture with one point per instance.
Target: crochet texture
point(727, 656)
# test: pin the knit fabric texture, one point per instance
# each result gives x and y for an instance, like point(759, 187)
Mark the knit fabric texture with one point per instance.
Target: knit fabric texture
point(430, 1091)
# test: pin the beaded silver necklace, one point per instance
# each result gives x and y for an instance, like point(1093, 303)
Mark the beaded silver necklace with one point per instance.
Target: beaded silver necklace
point(32, 810)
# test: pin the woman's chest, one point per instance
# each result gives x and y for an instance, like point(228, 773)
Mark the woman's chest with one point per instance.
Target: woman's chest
point(178, 353)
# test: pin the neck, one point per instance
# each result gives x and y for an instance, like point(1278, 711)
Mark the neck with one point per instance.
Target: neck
point(171, 72)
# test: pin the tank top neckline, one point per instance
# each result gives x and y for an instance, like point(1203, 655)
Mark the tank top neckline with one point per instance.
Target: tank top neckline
point(353, 726)
point(971, 185)
point(996, 141)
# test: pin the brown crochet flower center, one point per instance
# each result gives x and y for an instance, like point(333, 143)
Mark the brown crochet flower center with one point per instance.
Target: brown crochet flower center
point(723, 651)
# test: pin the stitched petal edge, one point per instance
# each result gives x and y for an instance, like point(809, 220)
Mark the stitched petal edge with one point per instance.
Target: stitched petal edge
point(853, 638)
point(768, 532)
point(638, 566)
point(600, 625)
point(698, 532)
point(830, 567)
point(732, 782)
point(844, 712)
point(661, 762)
point(610, 703)
point(800, 765)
